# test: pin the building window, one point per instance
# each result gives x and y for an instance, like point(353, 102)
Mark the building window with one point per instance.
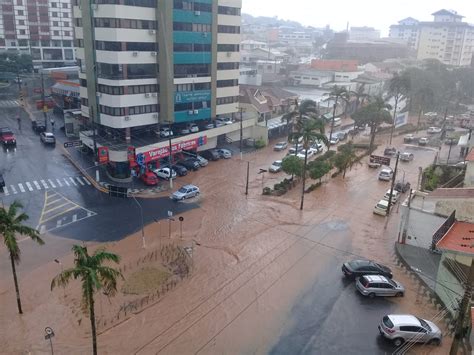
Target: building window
point(186, 70)
point(227, 10)
point(227, 100)
point(227, 47)
point(227, 83)
point(227, 66)
point(228, 29)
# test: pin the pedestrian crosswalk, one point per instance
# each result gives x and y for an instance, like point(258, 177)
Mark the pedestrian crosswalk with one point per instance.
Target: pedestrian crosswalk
point(45, 184)
point(9, 103)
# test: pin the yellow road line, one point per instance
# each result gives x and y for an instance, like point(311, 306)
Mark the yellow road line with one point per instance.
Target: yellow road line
point(54, 201)
point(59, 214)
point(55, 208)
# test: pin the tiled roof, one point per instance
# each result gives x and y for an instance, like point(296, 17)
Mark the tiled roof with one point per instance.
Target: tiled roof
point(459, 238)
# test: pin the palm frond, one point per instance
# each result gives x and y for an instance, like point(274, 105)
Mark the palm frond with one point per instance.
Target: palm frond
point(63, 278)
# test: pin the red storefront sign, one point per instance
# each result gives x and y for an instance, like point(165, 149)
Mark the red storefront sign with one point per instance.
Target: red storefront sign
point(103, 154)
point(131, 154)
point(163, 152)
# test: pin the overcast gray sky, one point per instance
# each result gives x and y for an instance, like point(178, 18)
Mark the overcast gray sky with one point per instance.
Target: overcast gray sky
point(375, 13)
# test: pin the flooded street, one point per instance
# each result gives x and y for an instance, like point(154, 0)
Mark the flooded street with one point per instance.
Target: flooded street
point(267, 277)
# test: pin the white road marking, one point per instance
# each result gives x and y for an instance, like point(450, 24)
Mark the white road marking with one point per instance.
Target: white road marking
point(66, 182)
point(87, 181)
point(13, 189)
point(42, 229)
point(22, 189)
point(28, 185)
point(5, 191)
point(37, 185)
point(44, 184)
point(79, 181)
point(51, 183)
point(72, 180)
point(58, 223)
point(74, 218)
point(59, 182)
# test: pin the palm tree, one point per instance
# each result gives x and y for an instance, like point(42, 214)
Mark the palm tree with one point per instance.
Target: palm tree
point(94, 276)
point(337, 93)
point(398, 88)
point(312, 130)
point(11, 224)
point(294, 119)
point(345, 158)
point(359, 95)
point(374, 114)
point(423, 96)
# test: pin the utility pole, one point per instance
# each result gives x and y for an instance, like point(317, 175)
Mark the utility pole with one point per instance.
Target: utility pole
point(463, 310)
point(394, 116)
point(247, 184)
point(20, 95)
point(171, 155)
point(241, 131)
point(44, 101)
point(332, 122)
point(393, 185)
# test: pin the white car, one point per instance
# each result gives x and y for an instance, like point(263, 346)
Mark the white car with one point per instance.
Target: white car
point(406, 156)
point(434, 130)
point(165, 132)
point(224, 153)
point(224, 120)
point(395, 196)
point(301, 154)
point(381, 208)
point(334, 140)
point(386, 174)
point(187, 191)
point(280, 146)
point(276, 166)
point(193, 128)
point(423, 141)
point(165, 173)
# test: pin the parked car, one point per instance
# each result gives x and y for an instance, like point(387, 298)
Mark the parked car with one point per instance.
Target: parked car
point(381, 208)
point(402, 328)
point(451, 141)
point(386, 174)
point(165, 132)
point(280, 146)
point(317, 146)
point(224, 120)
point(423, 141)
point(193, 128)
point(309, 154)
point(276, 166)
point(395, 196)
point(180, 170)
point(357, 268)
point(433, 130)
point(373, 163)
point(224, 153)
point(341, 135)
point(149, 178)
point(38, 126)
point(389, 151)
point(406, 156)
point(210, 154)
point(377, 285)
point(165, 173)
point(209, 125)
point(7, 137)
point(187, 191)
point(402, 187)
point(334, 140)
point(409, 138)
point(190, 164)
point(292, 149)
point(47, 138)
point(201, 160)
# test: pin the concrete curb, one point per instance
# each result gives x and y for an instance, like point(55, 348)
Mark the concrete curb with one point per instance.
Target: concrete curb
point(426, 290)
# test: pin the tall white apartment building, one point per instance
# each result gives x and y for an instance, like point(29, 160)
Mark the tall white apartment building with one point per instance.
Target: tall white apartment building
point(42, 28)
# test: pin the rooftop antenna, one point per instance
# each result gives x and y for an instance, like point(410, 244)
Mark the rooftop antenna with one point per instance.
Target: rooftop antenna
point(347, 27)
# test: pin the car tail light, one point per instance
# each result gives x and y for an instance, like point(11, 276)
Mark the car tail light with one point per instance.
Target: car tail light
point(390, 330)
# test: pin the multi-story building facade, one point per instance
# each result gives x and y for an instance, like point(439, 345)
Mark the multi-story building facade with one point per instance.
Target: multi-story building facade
point(42, 28)
point(157, 62)
point(363, 33)
point(446, 38)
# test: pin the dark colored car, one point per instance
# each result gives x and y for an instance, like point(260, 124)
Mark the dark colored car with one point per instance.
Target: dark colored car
point(190, 164)
point(38, 126)
point(402, 186)
point(2, 182)
point(357, 268)
point(341, 135)
point(210, 154)
point(389, 151)
point(180, 170)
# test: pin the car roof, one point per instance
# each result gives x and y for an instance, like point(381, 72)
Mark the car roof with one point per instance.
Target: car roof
point(375, 278)
point(394, 191)
point(404, 319)
point(189, 186)
point(383, 202)
point(277, 161)
point(49, 134)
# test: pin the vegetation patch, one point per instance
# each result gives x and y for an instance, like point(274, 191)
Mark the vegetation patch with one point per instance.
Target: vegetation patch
point(145, 280)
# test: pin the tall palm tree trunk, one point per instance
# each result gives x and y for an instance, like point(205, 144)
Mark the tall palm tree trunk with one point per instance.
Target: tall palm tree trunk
point(17, 289)
point(92, 318)
point(304, 177)
point(332, 121)
point(372, 138)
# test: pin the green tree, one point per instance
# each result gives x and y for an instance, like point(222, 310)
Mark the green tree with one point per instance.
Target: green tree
point(94, 277)
point(373, 115)
point(318, 169)
point(398, 88)
point(359, 95)
point(13, 63)
point(337, 93)
point(423, 98)
point(292, 165)
point(345, 158)
point(311, 131)
point(11, 224)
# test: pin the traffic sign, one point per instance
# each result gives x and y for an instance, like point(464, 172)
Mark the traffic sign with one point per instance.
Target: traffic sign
point(380, 160)
point(49, 333)
point(73, 144)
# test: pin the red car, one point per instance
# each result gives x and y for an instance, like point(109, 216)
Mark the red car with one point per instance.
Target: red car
point(149, 179)
point(7, 137)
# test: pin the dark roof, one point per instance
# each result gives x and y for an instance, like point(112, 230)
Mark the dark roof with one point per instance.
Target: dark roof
point(247, 96)
point(446, 12)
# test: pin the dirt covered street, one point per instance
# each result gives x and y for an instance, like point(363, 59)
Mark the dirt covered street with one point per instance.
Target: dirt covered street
point(266, 277)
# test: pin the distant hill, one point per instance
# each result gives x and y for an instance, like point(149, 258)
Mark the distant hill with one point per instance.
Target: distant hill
point(269, 21)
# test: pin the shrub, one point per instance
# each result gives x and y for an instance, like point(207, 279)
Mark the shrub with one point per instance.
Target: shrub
point(267, 191)
point(313, 187)
point(259, 143)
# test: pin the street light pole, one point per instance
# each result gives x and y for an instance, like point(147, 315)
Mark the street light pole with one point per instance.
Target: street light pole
point(170, 155)
point(62, 270)
point(241, 131)
point(43, 99)
point(247, 183)
point(391, 189)
point(143, 226)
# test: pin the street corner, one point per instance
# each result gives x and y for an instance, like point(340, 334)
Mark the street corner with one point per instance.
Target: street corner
point(59, 211)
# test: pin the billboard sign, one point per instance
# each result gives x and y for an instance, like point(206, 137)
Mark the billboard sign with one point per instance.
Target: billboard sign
point(380, 160)
point(103, 154)
point(159, 153)
point(401, 119)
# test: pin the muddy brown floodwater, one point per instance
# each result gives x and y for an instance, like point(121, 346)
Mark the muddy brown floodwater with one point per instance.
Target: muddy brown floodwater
point(254, 258)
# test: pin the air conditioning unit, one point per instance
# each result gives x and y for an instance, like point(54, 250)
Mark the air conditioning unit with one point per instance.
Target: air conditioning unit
point(229, 54)
point(196, 112)
point(155, 94)
point(197, 13)
point(147, 94)
point(190, 112)
point(155, 115)
point(135, 54)
point(152, 32)
point(127, 118)
point(153, 54)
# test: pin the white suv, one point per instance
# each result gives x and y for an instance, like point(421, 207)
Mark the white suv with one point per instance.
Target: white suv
point(386, 174)
point(405, 327)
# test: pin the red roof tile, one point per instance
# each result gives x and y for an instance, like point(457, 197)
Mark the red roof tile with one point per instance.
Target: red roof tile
point(460, 238)
point(470, 156)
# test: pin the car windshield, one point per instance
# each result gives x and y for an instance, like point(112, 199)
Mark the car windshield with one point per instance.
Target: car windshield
point(387, 322)
point(391, 282)
point(182, 190)
point(277, 163)
point(382, 207)
point(424, 324)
